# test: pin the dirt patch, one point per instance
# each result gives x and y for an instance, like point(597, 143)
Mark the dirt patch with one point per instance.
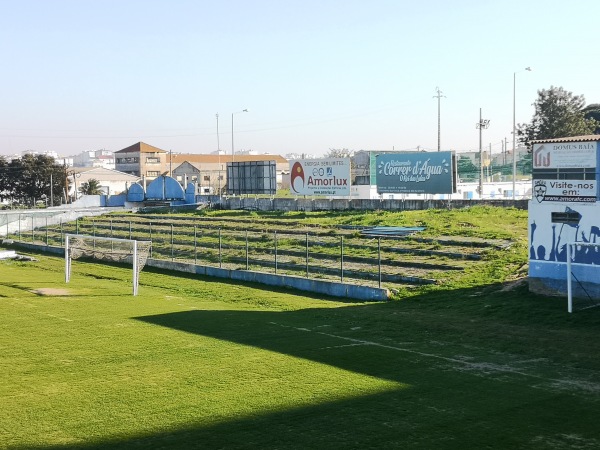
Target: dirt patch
point(50, 291)
point(514, 284)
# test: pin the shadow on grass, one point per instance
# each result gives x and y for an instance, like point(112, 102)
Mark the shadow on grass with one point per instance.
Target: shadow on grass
point(439, 402)
point(459, 418)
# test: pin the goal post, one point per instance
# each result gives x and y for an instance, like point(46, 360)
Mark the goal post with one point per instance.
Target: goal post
point(129, 251)
point(582, 256)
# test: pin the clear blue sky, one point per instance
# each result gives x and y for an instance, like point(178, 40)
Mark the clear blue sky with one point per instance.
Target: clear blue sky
point(83, 75)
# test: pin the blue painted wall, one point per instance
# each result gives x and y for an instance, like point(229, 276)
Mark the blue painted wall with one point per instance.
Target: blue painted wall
point(135, 193)
point(165, 188)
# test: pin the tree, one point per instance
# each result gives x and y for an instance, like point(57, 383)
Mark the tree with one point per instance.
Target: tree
point(466, 169)
point(4, 180)
point(525, 164)
point(558, 113)
point(592, 111)
point(91, 187)
point(31, 177)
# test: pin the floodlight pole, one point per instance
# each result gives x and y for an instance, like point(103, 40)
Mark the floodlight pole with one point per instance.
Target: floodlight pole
point(481, 125)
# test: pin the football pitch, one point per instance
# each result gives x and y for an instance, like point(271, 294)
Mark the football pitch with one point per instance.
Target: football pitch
point(198, 363)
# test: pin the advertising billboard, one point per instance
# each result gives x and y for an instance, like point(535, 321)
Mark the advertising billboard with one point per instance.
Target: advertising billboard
point(329, 176)
point(416, 173)
point(565, 172)
point(251, 177)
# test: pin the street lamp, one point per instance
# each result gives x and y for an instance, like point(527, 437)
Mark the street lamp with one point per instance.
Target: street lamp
point(232, 147)
point(514, 170)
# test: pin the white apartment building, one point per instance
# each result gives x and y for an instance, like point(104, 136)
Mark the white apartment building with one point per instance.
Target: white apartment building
point(95, 158)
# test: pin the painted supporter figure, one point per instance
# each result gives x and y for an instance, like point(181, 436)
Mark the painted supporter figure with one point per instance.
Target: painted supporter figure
point(558, 248)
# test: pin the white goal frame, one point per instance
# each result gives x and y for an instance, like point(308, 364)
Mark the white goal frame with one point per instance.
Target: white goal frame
point(570, 247)
point(137, 255)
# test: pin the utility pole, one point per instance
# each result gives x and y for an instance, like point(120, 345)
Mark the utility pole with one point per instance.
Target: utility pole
point(438, 96)
point(481, 125)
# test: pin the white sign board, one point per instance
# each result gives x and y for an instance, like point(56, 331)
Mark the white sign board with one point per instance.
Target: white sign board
point(564, 156)
point(330, 176)
point(565, 172)
point(564, 190)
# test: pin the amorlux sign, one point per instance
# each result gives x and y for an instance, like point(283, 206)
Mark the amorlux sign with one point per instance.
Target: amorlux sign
point(414, 173)
point(329, 176)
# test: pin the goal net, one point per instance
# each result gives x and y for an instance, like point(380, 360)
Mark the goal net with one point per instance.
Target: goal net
point(107, 249)
point(583, 273)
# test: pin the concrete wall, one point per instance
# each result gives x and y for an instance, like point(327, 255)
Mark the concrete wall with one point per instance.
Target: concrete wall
point(331, 288)
point(305, 204)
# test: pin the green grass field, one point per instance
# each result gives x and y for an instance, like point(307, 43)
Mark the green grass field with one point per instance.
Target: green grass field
point(197, 363)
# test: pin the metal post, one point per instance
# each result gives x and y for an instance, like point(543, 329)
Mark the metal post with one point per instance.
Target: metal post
point(438, 96)
point(480, 158)
point(306, 255)
point(77, 225)
point(32, 228)
point(111, 228)
point(150, 229)
point(135, 269)
point(195, 246)
point(93, 228)
point(569, 293)
point(220, 251)
point(67, 261)
point(46, 231)
point(342, 259)
point(247, 262)
point(379, 258)
point(61, 233)
point(514, 136)
point(130, 230)
point(275, 251)
point(19, 226)
point(172, 254)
